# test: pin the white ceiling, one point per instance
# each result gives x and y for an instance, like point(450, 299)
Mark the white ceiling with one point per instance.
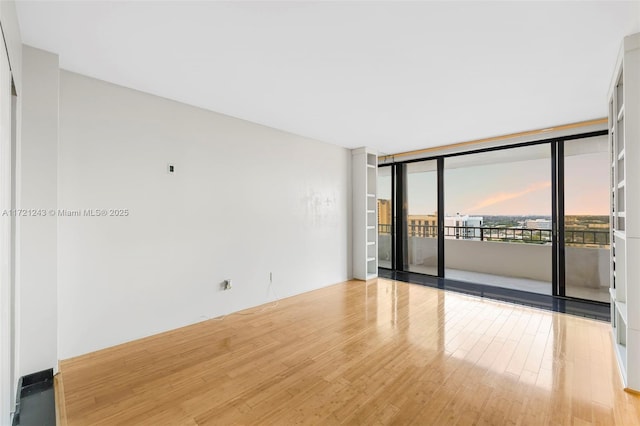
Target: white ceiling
point(394, 76)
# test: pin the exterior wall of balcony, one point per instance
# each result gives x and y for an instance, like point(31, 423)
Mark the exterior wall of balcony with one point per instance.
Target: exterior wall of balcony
point(531, 261)
point(384, 250)
point(586, 266)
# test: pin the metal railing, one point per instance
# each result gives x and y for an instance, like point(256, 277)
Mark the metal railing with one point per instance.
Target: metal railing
point(384, 228)
point(526, 235)
point(579, 237)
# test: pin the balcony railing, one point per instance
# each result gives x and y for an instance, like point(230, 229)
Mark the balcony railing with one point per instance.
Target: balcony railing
point(525, 235)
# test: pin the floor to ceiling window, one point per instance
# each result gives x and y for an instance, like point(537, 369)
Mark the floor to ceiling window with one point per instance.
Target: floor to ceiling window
point(498, 218)
point(532, 217)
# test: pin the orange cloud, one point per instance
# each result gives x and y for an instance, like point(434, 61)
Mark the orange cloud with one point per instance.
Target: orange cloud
point(504, 196)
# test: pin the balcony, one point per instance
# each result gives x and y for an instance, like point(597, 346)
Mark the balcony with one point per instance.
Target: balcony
point(517, 258)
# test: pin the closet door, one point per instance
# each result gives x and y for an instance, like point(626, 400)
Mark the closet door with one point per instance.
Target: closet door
point(7, 379)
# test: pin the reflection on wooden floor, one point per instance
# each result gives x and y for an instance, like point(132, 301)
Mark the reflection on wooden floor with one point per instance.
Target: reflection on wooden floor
point(376, 353)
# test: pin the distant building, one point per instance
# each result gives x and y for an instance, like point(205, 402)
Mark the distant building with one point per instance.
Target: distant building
point(538, 224)
point(465, 226)
point(384, 213)
point(426, 225)
point(419, 225)
point(604, 226)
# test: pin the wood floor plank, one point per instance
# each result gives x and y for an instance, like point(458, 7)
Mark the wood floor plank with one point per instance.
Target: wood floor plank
point(374, 353)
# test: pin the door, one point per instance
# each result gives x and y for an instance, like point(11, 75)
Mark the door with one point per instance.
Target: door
point(419, 225)
point(498, 218)
point(584, 220)
point(7, 379)
point(385, 217)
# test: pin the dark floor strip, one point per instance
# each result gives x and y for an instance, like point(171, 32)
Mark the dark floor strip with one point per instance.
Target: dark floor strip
point(583, 308)
point(36, 400)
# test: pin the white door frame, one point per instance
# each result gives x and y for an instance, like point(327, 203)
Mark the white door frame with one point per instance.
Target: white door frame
point(7, 330)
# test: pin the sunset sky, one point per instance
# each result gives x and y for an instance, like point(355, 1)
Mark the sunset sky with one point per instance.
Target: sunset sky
point(512, 188)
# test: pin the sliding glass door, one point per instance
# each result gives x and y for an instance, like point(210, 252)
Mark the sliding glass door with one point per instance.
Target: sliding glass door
point(420, 227)
point(385, 217)
point(498, 218)
point(586, 218)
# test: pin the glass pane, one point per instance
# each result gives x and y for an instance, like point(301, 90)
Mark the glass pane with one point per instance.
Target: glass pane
point(385, 217)
point(498, 218)
point(421, 232)
point(586, 199)
point(620, 136)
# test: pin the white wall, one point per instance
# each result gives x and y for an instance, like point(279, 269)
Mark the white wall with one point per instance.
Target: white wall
point(37, 235)
point(246, 200)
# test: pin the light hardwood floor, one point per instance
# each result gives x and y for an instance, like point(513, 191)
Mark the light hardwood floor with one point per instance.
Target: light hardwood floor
point(382, 352)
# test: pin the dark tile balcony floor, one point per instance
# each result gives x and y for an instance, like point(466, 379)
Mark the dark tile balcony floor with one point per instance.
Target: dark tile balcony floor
point(584, 308)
